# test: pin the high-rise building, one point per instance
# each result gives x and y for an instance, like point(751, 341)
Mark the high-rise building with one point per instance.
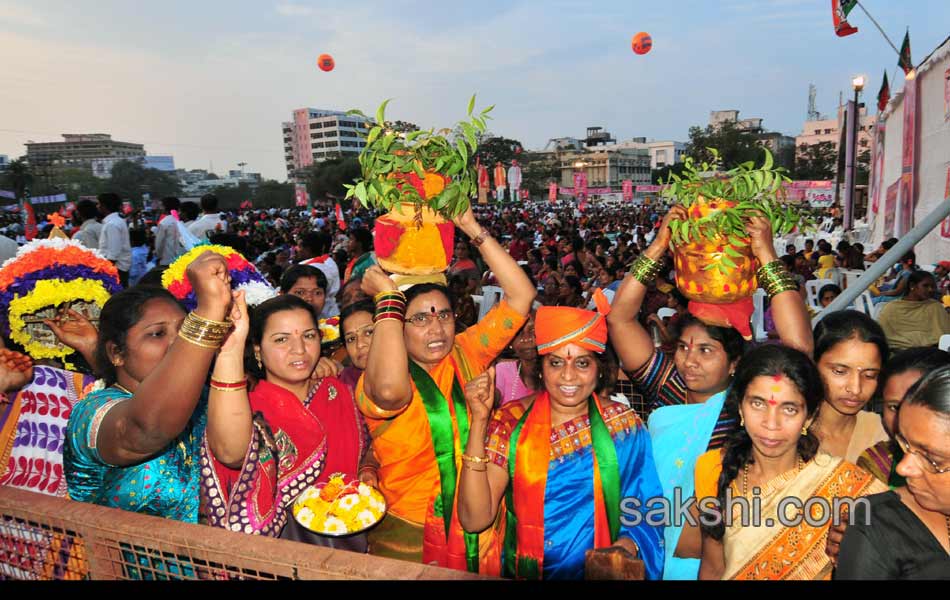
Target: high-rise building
point(829, 130)
point(79, 151)
point(316, 135)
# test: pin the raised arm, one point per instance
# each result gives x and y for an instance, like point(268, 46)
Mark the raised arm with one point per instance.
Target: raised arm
point(788, 309)
point(165, 399)
point(633, 343)
point(229, 410)
point(386, 378)
point(481, 484)
point(519, 293)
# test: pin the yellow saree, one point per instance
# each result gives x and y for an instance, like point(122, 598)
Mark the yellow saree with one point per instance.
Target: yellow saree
point(772, 550)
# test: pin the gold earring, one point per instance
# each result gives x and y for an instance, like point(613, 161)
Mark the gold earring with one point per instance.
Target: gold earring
point(741, 420)
point(804, 430)
point(259, 365)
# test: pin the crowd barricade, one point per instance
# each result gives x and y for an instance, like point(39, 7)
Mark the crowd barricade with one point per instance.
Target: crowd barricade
point(44, 537)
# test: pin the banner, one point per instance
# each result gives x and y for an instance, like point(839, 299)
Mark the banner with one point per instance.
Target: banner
point(946, 95)
point(30, 230)
point(651, 189)
point(340, 219)
point(586, 191)
point(945, 225)
point(580, 185)
point(300, 192)
point(7, 195)
point(890, 209)
point(552, 192)
point(877, 166)
point(627, 190)
point(48, 199)
point(908, 154)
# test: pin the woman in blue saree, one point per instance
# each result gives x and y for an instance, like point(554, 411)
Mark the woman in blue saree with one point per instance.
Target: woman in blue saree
point(565, 464)
point(135, 444)
point(686, 391)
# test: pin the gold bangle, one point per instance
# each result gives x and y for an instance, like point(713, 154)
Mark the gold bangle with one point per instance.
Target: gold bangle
point(478, 240)
point(645, 269)
point(223, 382)
point(228, 389)
point(384, 293)
point(206, 321)
point(471, 467)
point(197, 342)
point(475, 459)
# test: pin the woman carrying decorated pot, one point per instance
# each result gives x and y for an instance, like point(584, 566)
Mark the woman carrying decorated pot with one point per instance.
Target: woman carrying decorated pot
point(565, 463)
point(687, 390)
point(266, 445)
point(770, 458)
point(135, 444)
point(411, 395)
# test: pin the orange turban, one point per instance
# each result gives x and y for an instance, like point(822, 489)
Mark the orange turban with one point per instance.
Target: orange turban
point(558, 326)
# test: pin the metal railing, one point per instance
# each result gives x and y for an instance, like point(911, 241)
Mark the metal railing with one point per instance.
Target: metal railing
point(43, 537)
point(890, 258)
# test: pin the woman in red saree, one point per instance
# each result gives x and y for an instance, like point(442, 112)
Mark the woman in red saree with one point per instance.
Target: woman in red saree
point(263, 448)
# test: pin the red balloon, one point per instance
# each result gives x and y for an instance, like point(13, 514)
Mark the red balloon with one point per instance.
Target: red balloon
point(642, 43)
point(325, 62)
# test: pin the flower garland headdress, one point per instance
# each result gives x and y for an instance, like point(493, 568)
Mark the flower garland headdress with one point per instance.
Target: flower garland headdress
point(44, 275)
point(244, 276)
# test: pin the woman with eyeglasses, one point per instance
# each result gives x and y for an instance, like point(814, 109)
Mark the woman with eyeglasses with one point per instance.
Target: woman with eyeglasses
point(905, 533)
point(411, 395)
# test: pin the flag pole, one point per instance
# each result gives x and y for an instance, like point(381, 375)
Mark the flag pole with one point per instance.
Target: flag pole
point(879, 28)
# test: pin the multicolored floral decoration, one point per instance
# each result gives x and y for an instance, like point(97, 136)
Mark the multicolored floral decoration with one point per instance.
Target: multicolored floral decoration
point(329, 330)
point(50, 273)
point(244, 276)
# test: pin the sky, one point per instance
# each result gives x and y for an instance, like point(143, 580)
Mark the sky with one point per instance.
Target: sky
point(211, 81)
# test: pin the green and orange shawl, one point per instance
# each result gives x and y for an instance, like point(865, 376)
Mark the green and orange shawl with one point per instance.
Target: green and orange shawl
point(528, 461)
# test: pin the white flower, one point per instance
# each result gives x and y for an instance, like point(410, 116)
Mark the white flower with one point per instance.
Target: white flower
point(334, 525)
point(305, 517)
point(366, 518)
point(54, 243)
point(256, 292)
point(364, 489)
point(348, 502)
point(97, 386)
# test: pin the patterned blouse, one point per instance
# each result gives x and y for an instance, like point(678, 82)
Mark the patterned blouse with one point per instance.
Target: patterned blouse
point(165, 486)
point(661, 384)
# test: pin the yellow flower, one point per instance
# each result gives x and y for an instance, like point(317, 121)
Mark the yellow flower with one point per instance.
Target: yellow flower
point(51, 292)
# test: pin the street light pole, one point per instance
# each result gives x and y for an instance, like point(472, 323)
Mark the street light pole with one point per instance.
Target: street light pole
point(850, 174)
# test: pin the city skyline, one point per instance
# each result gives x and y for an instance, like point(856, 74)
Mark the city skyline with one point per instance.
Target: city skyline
point(212, 82)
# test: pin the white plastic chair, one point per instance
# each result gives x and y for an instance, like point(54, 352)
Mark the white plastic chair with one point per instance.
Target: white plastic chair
point(850, 276)
point(944, 343)
point(812, 287)
point(491, 295)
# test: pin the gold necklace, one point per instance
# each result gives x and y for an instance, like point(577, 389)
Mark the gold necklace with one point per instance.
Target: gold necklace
point(801, 465)
point(122, 388)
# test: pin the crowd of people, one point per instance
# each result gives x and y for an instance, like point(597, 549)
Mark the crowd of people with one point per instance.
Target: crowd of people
point(513, 438)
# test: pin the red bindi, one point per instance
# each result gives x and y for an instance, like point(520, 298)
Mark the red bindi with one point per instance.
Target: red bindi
point(777, 377)
point(772, 401)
